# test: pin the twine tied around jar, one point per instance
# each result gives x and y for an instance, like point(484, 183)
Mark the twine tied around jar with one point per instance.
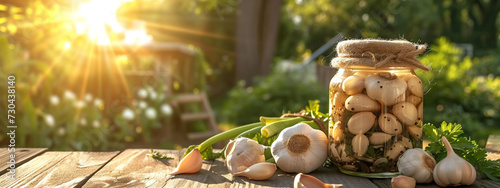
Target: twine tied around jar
point(379, 54)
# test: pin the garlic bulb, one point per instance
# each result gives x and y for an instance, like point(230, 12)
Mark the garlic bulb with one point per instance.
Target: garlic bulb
point(418, 164)
point(403, 182)
point(308, 181)
point(300, 148)
point(258, 171)
point(191, 163)
point(242, 153)
point(453, 170)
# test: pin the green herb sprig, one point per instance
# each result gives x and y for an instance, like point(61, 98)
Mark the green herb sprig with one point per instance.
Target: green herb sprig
point(463, 147)
point(157, 155)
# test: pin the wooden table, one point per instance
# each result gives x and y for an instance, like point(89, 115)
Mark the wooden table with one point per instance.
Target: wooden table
point(37, 167)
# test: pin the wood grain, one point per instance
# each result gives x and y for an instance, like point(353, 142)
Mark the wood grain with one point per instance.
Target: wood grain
point(53, 169)
point(22, 155)
point(134, 168)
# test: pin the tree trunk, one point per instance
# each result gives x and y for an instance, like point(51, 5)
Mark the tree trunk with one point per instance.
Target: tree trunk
point(256, 30)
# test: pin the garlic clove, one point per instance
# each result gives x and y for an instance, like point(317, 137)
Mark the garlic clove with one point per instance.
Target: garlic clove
point(390, 124)
point(307, 181)
point(407, 142)
point(244, 153)
point(453, 170)
point(413, 99)
point(191, 163)
point(386, 88)
point(418, 164)
point(339, 100)
point(361, 103)
point(403, 182)
point(360, 144)
point(336, 83)
point(334, 151)
point(405, 112)
point(353, 84)
point(415, 131)
point(396, 150)
point(258, 171)
point(415, 86)
point(229, 147)
point(361, 122)
point(338, 132)
point(378, 138)
point(344, 156)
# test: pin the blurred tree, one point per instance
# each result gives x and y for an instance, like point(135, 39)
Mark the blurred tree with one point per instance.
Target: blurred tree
point(306, 25)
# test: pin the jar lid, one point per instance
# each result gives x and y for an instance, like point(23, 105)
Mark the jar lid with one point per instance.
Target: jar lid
point(379, 54)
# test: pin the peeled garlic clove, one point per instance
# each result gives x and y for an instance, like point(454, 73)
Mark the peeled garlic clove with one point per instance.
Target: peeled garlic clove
point(403, 182)
point(334, 151)
point(258, 171)
point(307, 181)
point(360, 144)
point(386, 88)
point(418, 164)
point(378, 138)
point(361, 103)
point(396, 149)
point(353, 84)
point(339, 100)
point(415, 86)
point(244, 153)
point(336, 83)
point(407, 142)
point(405, 112)
point(420, 112)
point(361, 122)
point(338, 133)
point(191, 163)
point(390, 124)
point(415, 132)
point(413, 99)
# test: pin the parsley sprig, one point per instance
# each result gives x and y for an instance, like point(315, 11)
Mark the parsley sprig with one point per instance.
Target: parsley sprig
point(463, 147)
point(157, 155)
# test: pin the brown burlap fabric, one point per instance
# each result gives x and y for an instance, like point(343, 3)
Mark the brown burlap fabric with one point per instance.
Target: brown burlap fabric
point(379, 54)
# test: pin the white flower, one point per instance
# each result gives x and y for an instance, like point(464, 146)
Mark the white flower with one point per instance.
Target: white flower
point(88, 97)
point(69, 95)
point(128, 114)
point(150, 113)
point(153, 95)
point(96, 124)
point(54, 100)
point(142, 93)
point(166, 109)
point(79, 104)
point(97, 102)
point(49, 120)
point(61, 131)
point(143, 105)
point(83, 122)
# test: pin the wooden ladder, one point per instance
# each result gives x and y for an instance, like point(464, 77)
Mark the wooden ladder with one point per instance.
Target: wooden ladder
point(206, 115)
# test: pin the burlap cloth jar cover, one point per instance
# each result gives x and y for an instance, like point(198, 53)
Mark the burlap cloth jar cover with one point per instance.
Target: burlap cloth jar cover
point(379, 54)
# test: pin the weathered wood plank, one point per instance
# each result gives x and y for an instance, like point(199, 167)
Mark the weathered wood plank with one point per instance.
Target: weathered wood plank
point(22, 155)
point(134, 168)
point(63, 169)
point(493, 144)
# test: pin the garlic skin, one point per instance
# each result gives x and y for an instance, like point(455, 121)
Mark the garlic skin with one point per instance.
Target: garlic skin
point(403, 182)
point(190, 164)
point(300, 149)
point(243, 153)
point(453, 170)
point(258, 171)
point(418, 164)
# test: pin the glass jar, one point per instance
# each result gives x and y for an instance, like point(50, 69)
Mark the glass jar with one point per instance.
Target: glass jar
point(376, 114)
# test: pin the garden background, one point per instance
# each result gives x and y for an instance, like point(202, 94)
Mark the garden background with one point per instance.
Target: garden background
point(80, 82)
